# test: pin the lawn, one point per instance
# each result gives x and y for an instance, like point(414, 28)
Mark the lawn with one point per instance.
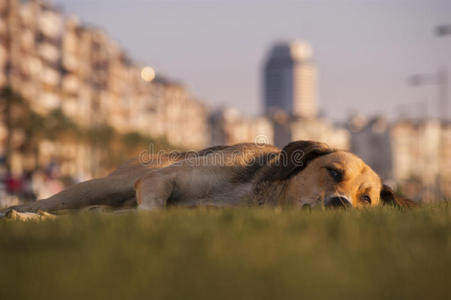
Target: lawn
point(258, 253)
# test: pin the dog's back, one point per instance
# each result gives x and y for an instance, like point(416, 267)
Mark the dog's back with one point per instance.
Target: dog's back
point(236, 164)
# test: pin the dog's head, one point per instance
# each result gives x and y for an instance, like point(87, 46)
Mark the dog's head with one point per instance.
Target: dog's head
point(316, 174)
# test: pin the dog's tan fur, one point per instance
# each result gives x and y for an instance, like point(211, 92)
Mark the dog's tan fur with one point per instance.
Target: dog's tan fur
point(358, 179)
point(244, 174)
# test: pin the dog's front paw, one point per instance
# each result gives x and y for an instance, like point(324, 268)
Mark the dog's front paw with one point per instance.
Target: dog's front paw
point(28, 216)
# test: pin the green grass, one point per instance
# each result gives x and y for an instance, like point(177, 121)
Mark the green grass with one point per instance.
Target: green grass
point(230, 254)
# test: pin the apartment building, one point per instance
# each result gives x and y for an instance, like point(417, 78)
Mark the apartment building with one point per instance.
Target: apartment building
point(414, 154)
point(229, 126)
point(55, 62)
point(290, 79)
point(289, 128)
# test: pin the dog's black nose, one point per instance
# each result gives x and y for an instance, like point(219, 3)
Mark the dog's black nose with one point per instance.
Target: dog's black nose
point(334, 202)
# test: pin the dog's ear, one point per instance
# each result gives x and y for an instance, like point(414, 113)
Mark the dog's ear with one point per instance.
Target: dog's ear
point(295, 156)
point(388, 197)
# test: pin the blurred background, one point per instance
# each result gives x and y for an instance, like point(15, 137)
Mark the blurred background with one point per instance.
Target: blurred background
point(87, 84)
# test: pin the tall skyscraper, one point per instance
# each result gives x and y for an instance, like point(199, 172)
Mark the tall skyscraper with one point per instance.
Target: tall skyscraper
point(290, 79)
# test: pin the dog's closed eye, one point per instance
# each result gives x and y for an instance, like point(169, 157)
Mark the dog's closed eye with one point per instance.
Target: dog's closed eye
point(365, 199)
point(336, 174)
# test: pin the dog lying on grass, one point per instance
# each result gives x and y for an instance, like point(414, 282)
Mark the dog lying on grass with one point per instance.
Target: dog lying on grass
point(303, 173)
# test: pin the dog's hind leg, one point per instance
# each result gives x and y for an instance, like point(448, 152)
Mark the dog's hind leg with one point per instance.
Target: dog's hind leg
point(154, 190)
point(114, 191)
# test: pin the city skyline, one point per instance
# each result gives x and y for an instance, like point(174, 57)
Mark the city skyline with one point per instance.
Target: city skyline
point(364, 50)
point(108, 105)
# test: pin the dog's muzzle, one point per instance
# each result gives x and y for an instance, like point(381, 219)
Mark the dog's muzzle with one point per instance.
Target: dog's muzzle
point(337, 201)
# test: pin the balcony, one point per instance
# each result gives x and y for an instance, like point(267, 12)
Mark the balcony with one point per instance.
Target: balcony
point(50, 24)
point(49, 52)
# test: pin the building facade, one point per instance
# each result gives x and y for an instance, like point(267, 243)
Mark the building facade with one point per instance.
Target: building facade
point(291, 100)
point(56, 63)
point(289, 128)
point(290, 79)
point(228, 126)
point(413, 154)
point(371, 140)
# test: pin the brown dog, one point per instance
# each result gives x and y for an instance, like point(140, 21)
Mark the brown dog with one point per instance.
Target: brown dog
point(303, 173)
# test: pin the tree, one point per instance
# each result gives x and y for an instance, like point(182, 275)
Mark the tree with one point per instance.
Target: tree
point(109, 147)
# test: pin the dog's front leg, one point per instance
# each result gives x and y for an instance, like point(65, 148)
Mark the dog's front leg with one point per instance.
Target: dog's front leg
point(111, 191)
point(153, 190)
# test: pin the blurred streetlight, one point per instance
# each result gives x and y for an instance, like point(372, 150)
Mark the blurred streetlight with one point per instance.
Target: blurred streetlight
point(147, 74)
point(442, 30)
point(440, 78)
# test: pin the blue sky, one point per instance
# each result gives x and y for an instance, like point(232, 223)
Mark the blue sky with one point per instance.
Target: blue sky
point(364, 49)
